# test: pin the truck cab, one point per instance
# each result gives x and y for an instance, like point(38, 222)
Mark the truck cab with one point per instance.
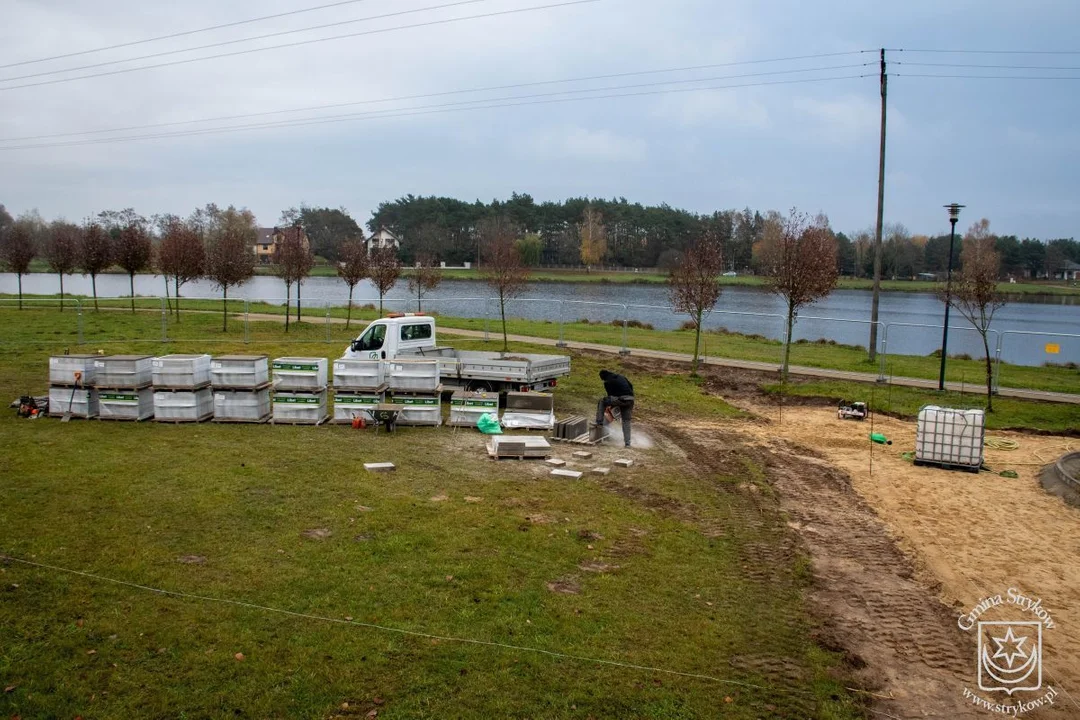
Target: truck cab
point(396, 334)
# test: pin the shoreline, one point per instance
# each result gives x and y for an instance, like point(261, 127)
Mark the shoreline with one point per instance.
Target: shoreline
point(1013, 292)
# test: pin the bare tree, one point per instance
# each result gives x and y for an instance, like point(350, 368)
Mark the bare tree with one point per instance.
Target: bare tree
point(230, 255)
point(19, 246)
point(593, 236)
point(503, 269)
point(294, 261)
point(799, 259)
point(975, 292)
point(353, 267)
point(181, 254)
point(62, 251)
point(384, 269)
point(95, 253)
point(132, 249)
point(424, 277)
point(694, 285)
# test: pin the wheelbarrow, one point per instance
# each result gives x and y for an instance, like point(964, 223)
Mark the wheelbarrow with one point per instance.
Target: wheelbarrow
point(386, 414)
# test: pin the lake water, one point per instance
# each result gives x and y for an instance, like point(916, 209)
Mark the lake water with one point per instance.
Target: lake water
point(914, 319)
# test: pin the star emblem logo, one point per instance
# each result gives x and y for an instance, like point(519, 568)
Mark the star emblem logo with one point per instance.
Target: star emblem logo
point(1010, 647)
point(1010, 656)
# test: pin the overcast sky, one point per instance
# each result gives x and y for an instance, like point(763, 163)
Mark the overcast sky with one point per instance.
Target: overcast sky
point(1008, 149)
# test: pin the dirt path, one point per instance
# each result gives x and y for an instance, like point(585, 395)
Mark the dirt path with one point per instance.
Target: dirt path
point(966, 537)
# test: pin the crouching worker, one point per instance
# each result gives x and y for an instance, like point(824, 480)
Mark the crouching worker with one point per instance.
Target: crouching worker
point(620, 394)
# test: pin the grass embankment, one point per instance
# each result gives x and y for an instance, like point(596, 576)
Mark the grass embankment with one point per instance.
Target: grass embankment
point(1008, 414)
point(405, 550)
point(736, 346)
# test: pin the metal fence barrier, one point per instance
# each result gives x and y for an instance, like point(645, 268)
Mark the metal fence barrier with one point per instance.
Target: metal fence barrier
point(562, 312)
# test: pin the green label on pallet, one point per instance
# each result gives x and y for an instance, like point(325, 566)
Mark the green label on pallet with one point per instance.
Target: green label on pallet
point(296, 366)
point(118, 397)
point(297, 399)
point(356, 400)
point(490, 403)
point(432, 402)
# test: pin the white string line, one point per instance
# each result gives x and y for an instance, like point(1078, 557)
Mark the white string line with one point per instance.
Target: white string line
point(400, 631)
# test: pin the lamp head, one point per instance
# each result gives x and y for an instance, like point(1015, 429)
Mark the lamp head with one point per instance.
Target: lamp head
point(954, 211)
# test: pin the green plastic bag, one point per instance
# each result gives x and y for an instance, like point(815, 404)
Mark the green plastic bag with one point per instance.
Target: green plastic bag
point(488, 423)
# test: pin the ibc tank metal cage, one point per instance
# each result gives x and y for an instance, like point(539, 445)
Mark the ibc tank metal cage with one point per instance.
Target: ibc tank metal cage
point(950, 438)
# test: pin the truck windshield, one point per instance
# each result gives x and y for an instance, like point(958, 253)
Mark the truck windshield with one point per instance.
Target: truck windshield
point(372, 339)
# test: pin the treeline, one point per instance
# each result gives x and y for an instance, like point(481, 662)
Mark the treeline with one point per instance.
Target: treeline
point(636, 235)
point(905, 255)
point(213, 242)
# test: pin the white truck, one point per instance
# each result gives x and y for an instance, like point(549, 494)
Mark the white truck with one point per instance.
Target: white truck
point(412, 336)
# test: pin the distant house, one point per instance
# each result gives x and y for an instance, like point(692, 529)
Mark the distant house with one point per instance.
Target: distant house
point(264, 245)
point(383, 239)
point(1066, 270)
point(267, 239)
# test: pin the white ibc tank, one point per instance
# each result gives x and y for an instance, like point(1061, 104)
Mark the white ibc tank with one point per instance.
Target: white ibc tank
point(950, 437)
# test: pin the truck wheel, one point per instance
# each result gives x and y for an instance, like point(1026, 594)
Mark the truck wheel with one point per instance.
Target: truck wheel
point(479, 386)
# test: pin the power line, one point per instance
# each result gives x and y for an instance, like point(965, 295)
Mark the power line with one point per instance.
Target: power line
point(237, 41)
point(430, 110)
point(988, 52)
point(182, 34)
point(444, 93)
point(992, 67)
point(986, 77)
point(445, 21)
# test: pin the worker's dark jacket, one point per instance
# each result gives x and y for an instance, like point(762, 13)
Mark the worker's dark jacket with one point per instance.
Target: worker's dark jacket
point(618, 386)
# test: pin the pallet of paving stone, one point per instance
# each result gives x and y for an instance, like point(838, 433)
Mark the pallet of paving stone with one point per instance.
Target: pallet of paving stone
point(527, 447)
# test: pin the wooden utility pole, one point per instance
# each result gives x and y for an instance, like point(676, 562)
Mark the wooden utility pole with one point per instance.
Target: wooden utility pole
point(880, 216)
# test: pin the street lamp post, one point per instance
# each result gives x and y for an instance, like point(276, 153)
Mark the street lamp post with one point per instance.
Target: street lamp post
point(954, 215)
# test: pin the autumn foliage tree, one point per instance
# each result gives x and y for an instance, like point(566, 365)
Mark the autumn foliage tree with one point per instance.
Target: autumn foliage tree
point(61, 251)
point(384, 269)
point(293, 260)
point(133, 249)
point(95, 253)
point(798, 257)
point(975, 292)
point(504, 271)
point(181, 255)
point(230, 255)
point(19, 246)
point(353, 267)
point(694, 285)
point(593, 237)
point(424, 277)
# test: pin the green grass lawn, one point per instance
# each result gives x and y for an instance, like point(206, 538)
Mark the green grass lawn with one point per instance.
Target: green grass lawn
point(717, 344)
point(128, 500)
point(651, 276)
point(1008, 414)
